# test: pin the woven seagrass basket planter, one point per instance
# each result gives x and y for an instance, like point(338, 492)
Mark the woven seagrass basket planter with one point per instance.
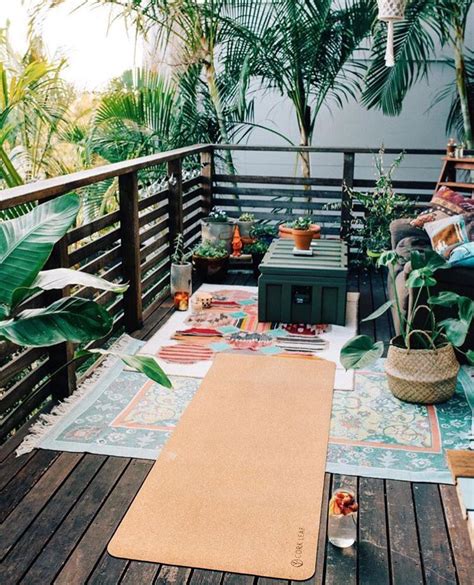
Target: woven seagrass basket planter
point(423, 376)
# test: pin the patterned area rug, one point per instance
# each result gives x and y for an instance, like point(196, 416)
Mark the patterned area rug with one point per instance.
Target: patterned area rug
point(188, 342)
point(372, 433)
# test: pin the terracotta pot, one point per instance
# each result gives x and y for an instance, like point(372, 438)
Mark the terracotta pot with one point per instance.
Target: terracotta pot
point(285, 231)
point(303, 239)
point(211, 269)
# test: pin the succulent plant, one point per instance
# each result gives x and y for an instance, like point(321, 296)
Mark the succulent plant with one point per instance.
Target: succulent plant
point(217, 215)
point(208, 250)
point(302, 223)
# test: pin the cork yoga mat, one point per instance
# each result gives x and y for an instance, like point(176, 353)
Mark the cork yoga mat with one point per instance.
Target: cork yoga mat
point(238, 487)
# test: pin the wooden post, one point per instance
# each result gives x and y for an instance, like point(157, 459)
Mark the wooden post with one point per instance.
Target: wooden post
point(348, 181)
point(130, 244)
point(207, 175)
point(175, 187)
point(63, 383)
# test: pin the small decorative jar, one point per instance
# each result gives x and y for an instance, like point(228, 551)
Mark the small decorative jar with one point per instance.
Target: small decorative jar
point(451, 148)
point(342, 521)
point(205, 299)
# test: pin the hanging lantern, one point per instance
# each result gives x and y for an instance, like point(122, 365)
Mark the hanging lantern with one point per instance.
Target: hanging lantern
point(389, 12)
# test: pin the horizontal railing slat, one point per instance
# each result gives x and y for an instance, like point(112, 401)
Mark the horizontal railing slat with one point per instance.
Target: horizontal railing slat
point(41, 190)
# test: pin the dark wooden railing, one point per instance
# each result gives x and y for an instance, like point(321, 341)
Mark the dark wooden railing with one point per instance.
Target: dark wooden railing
point(133, 244)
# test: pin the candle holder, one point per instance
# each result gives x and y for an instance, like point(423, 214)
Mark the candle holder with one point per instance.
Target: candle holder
point(181, 300)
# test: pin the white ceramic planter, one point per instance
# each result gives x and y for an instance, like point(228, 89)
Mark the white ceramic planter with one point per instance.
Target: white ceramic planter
point(217, 233)
point(181, 278)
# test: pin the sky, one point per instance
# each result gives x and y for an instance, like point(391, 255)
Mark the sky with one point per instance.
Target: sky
point(97, 50)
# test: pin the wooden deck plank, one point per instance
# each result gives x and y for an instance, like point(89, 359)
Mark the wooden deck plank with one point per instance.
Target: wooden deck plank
point(234, 579)
point(19, 559)
point(372, 547)
point(54, 554)
point(366, 304)
point(90, 548)
point(438, 564)
point(11, 466)
point(21, 483)
point(404, 547)
point(140, 572)
point(458, 535)
point(25, 513)
point(109, 570)
point(341, 563)
point(67, 490)
point(173, 575)
point(203, 577)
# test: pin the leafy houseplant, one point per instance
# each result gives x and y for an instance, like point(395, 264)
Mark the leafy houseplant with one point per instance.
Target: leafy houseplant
point(421, 365)
point(211, 261)
point(381, 207)
point(181, 268)
point(26, 244)
point(217, 229)
point(264, 232)
point(302, 233)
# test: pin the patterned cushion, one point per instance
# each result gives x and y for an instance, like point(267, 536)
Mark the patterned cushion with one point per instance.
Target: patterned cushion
point(446, 234)
point(445, 203)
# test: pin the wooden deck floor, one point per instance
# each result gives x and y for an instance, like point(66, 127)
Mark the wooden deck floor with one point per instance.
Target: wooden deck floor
point(59, 511)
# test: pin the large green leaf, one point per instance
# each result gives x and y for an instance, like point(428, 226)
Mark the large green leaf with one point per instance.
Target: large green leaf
point(58, 278)
point(380, 311)
point(70, 319)
point(146, 364)
point(455, 330)
point(360, 351)
point(470, 356)
point(27, 241)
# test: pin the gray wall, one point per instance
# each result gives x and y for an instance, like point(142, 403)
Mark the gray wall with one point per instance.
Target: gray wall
point(354, 126)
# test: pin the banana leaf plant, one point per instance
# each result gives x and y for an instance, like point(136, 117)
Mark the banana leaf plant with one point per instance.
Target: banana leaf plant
point(26, 244)
point(362, 350)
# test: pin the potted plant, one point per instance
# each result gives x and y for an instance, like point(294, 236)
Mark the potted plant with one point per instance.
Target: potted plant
point(381, 207)
point(245, 223)
point(181, 268)
point(421, 364)
point(302, 233)
point(258, 250)
point(264, 232)
point(217, 229)
point(286, 231)
point(211, 261)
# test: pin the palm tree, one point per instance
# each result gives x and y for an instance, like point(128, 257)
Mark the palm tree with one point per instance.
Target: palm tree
point(196, 31)
point(303, 49)
point(414, 42)
point(32, 109)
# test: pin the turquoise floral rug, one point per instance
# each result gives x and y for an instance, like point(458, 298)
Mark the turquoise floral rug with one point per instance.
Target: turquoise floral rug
point(373, 434)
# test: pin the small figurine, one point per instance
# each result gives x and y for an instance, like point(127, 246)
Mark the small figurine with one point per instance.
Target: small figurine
point(236, 243)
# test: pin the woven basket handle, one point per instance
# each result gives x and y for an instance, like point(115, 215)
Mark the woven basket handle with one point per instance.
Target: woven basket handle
point(423, 333)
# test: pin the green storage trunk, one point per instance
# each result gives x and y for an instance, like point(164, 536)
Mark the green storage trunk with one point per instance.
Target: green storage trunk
point(303, 289)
